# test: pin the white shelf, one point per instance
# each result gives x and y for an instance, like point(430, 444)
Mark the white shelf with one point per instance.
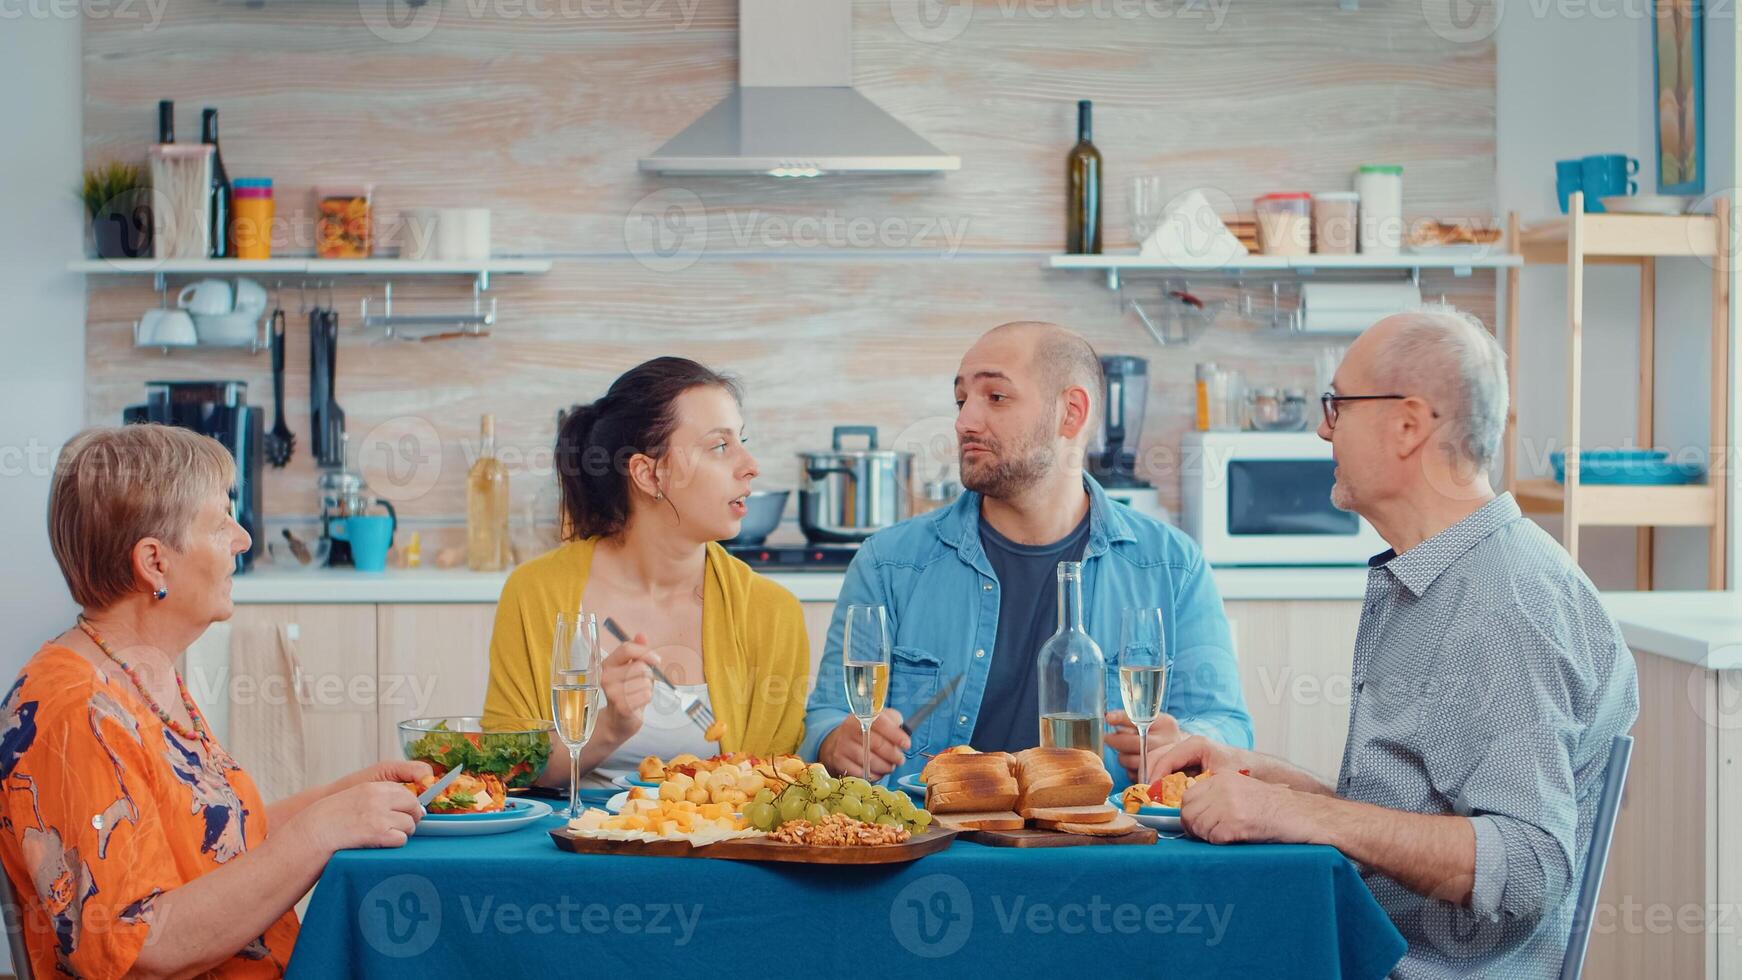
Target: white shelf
point(1496, 259)
point(309, 267)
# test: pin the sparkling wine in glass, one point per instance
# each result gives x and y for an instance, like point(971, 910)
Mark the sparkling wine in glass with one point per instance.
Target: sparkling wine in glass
point(865, 668)
point(1142, 675)
point(576, 698)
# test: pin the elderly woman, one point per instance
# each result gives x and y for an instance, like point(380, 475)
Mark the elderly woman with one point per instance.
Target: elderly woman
point(134, 844)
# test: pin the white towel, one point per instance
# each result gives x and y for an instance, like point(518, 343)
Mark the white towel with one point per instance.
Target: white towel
point(1190, 233)
point(266, 730)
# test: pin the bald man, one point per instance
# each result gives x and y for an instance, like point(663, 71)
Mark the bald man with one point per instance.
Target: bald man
point(971, 589)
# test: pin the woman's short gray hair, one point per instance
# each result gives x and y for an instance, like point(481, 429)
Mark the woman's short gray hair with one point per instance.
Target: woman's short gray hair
point(1446, 356)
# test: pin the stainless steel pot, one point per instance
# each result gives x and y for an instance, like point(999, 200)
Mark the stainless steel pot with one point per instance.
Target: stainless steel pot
point(846, 495)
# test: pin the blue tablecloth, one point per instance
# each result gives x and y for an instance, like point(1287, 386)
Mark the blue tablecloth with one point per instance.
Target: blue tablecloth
point(514, 905)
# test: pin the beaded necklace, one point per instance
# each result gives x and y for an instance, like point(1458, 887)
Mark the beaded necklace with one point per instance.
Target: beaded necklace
point(199, 732)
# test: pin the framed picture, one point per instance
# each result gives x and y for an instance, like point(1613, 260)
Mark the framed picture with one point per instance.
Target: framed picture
point(1678, 36)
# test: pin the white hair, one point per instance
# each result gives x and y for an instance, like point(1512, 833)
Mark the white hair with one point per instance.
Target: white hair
point(1447, 357)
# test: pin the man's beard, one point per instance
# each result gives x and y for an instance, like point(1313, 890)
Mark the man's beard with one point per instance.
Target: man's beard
point(1010, 473)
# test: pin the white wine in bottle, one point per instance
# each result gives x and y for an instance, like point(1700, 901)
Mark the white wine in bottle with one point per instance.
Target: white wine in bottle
point(487, 506)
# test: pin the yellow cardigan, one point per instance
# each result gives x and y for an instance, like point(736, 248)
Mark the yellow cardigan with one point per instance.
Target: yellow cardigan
point(755, 652)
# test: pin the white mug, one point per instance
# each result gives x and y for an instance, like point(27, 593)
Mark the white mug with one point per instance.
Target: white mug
point(250, 298)
point(207, 297)
point(476, 239)
point(160, 326)
point(450, 235)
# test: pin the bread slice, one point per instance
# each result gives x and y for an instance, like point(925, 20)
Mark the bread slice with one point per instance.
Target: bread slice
point(1072, 814)
point(1121, 824)
point(981, 820)
point(969, 802)
point(1055, 796)
point(959, 766)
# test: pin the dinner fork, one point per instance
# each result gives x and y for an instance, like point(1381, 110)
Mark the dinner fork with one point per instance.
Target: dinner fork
point(697, 710)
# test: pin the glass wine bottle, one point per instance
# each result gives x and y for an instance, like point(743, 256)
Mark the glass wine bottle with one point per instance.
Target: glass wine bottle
point(1083, 190)
point(1073, 680)
point(487, 506)
point(220, 192)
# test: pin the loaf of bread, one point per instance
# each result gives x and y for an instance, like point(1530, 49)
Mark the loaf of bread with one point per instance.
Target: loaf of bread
point(1053, 777)
point(969, 783)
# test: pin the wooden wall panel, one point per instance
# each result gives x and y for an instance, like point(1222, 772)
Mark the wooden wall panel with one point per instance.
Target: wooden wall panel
point(542, 120)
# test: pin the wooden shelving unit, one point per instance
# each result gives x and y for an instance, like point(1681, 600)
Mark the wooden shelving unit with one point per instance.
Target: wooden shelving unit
point(1579, 240)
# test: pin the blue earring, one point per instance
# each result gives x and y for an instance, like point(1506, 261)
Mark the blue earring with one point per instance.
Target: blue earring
point(160, 594)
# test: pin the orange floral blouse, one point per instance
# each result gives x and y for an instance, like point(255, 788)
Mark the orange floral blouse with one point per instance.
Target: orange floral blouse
point(103, 808)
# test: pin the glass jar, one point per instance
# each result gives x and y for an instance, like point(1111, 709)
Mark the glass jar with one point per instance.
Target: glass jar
point(344, 221)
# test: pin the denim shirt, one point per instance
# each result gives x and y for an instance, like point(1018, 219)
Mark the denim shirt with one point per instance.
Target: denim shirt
point(942, 598)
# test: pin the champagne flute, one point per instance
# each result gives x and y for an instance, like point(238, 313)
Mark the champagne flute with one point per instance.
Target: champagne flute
point(575, 692)
point(865, 668)
point(1142, 675)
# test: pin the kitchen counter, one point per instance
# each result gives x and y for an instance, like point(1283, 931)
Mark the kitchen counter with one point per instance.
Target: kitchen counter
point(266, 585)
point(1699, 628)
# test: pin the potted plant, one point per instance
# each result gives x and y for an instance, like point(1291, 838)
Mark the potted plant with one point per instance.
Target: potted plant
point(117, 198)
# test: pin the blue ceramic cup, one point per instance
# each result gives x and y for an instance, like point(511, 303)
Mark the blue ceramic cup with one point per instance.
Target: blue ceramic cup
point(1568, 176)
point(370, 536)
point(1605, 175)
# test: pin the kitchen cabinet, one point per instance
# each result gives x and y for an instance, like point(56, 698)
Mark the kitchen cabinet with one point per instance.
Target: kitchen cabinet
point(332, 684)
point(1295, 658)
point(434, 662)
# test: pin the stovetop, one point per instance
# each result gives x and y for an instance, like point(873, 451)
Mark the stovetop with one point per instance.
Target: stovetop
point(795, 557)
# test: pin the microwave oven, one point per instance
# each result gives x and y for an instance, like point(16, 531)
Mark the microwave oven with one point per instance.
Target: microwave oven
point(1264, 498)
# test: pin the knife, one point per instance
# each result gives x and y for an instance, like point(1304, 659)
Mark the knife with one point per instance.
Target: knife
point(427, 796)
point(926, 709)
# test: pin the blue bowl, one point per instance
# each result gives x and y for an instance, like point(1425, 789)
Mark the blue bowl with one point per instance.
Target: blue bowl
point(1632, 467)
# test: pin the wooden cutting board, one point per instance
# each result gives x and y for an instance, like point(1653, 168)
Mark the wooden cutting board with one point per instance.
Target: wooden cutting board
point(932, 841)
point(1030, 837)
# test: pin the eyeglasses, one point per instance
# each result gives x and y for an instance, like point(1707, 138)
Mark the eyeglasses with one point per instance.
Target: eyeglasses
point(1328, 404)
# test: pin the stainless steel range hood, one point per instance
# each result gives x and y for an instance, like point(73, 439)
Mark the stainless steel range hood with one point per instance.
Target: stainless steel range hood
point(795, 112)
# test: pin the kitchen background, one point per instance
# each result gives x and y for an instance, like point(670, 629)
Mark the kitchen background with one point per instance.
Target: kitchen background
point(542, 119)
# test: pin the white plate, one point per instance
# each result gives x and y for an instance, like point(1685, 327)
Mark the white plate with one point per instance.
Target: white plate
point(615, 803)
point(519, 813)
point(1647, 204)
point(1162, 818)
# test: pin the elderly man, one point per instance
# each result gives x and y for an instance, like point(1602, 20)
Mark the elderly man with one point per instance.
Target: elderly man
point(970, 588)
point(1488, 681)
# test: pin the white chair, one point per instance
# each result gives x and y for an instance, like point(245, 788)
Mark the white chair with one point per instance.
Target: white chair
point(14, 929)
point(1602, 834)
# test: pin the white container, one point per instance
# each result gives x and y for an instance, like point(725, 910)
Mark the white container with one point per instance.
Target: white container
point(1284, 223)
point(1381, 188)
point(475, 241)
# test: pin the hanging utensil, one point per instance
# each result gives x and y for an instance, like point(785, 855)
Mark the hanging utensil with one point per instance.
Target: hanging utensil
point(320, 387)
point(280, 442)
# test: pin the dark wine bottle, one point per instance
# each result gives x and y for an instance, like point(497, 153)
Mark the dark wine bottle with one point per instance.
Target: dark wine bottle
point(1083, 190)
point(165, 121)
point(220, 193)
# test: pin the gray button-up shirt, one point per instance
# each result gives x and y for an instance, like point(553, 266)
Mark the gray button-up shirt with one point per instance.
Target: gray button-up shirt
point(1488, 681)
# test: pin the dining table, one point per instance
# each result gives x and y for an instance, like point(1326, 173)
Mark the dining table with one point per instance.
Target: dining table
point(514, 904)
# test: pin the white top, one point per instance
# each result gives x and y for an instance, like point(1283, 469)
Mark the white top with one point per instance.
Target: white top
point(665, 731)
point(1700, 628)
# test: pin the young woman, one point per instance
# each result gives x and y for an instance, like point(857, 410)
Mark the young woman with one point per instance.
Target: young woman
point(653, 475)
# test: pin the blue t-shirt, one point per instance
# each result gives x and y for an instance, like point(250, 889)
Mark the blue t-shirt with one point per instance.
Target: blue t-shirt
point(1009, 719)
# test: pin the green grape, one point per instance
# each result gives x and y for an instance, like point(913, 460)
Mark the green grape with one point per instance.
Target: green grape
point(888, 821)
point(761, 815)
point(764, 796)
point(858, 786)
point(823, 787)
point(903, 809)
point(849, 806)
point(817, 773)
point(791, 807)
point(815, 812)
point(921, 819)
point(871, 811)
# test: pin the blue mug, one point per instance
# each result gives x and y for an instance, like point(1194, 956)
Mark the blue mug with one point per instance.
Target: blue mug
point(370, 536)
point(1568, 178)
point(1605, 175)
